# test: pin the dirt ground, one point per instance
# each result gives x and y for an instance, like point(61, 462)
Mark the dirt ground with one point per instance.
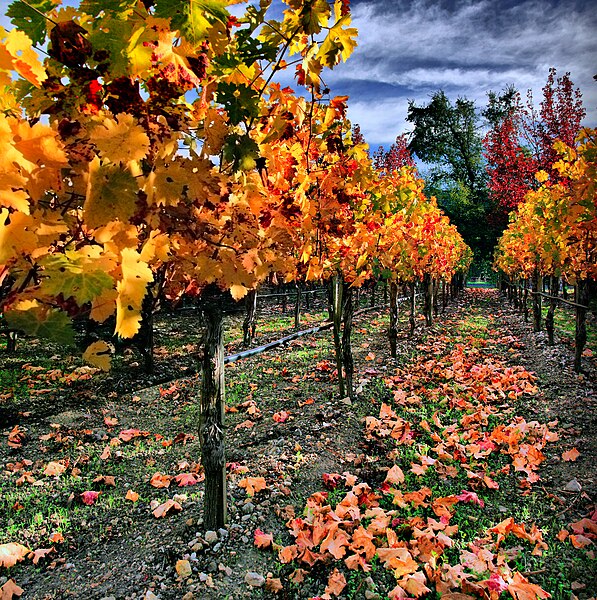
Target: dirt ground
point(116, 548)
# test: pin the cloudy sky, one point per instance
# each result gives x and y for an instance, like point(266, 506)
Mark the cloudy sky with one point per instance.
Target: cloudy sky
point(410, 49)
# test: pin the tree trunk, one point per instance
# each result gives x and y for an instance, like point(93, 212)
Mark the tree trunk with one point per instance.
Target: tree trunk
point(297, 306)
point(337, 330)
point(413, 308)
point(308, 298)
point(393, 329)
point(11, 341)
point(554, 289)
point(537, 287)
point(525, 301)
point(582, 298)
point(385, 291)
point(250, 316)
point(435, 284)
point(372, 304)
point(144, 338)
point(347, 360)
point(211, 432)
point(428, 296)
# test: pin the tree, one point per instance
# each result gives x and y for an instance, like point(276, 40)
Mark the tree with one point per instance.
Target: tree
point(447, 137)
point(521, 138)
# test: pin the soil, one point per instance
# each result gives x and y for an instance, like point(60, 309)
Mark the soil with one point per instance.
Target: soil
point(118, 550)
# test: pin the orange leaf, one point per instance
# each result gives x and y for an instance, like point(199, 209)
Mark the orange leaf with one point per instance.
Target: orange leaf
point(415, 584)
point(570, 455)
point(126, 435)
point(252, 485)
point(105, 455)
point(273, 584)
point(56, 537)
point(563, 534)
point(132, 496)
point(186, 479)
point(580, 541)
point(395, 475)
point(10, 589)
point(158, 480)
point(167, 507)
point(106, 480)
point(263, 540)
point(336, 583)
point(522, 589)
point(54, 469)
point(288, 553)
point(335, 543)
point(298, 576)
point(110, 421)
point(12, 553)
point(281, 417)
point(40, 553)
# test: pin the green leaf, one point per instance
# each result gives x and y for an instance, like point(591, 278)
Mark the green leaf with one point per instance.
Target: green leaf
point(24, 17)
point(40, 321)
point(114, 37)
point(95, 7)
point(192, 18)
point(70, 275)
point(240, 101)
point(242, 151)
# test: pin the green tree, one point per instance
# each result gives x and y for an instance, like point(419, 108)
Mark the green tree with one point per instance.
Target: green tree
point(447, 137)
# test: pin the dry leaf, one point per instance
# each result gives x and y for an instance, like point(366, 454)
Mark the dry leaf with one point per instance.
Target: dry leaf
point(273, 585)
point(89, 497)
point(54, 469)
point(252, 485)
point(570, 455)
point(10, 589)
point(41, 553)
point(159, 480)
point(167, 507)
point(12, 553)
point(132, 496)
point(263, 540)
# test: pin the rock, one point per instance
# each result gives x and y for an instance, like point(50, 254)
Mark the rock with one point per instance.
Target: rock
point(347, 400)
point(573, 486)
point(369, 595)
point(197, 547)
point(149, 595)
point(188, 596)
point(223, 533)
point(254, 579)
point(248, 508)
point(217, 547)
point(211, 537)
point(183, 568)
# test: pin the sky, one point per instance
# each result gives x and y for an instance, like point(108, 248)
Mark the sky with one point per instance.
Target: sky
point(409, 49)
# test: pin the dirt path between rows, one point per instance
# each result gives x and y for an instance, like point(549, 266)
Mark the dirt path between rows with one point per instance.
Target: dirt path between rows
point(116, 549)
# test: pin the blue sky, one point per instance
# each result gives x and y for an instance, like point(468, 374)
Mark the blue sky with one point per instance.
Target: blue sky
point(410, 49)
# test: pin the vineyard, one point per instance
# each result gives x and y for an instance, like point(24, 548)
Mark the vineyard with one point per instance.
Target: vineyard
point(239, 357)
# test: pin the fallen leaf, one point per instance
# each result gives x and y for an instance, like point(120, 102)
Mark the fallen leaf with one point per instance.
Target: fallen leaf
point(41, 553)
point(89, 497)
point(263, 540)
point(126, 435)
point(106, 480)
point(12, 553)
point(56, 537)
point(395, 475)
point(298, 576)
point(17, 436)
point(281, 417)
point(273, 584)
point(159, 480)
point(54, 469)
point(10, 589)
point(580, 541)
point(252, 485)
point(110, 421)
point(184, 479)
point(132, 496)
point(336, 583)
point(570, 455)
point(563, 534)
point(167, 507)
point(466, 496)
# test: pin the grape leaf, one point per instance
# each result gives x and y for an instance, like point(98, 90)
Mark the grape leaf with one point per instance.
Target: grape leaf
point(338, 44)
point(38, 320)
point(111, 194)
point(99, 354)
point(12, 553)
point(121, 140)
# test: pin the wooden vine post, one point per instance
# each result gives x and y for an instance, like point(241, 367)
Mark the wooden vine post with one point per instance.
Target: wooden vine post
point(428, 296)
point(537, 287)
point(393, 329)
point(250, 316)
point(347, 360)
point(582, 300)
point(211, 428)
point(549, 325)
point(413, 309)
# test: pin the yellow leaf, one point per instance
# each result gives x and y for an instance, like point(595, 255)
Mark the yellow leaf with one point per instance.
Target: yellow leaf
point(99, 354)
point(111, 194)
point(17, 54)
point(238, 291)
point(121, 139)
point(12, 553)
point(252, 485)
point(136, 274)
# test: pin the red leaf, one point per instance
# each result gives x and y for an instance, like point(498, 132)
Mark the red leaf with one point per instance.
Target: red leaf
point(263, 540)
point(466, 496)
point(89, 497)
point(570, 455)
